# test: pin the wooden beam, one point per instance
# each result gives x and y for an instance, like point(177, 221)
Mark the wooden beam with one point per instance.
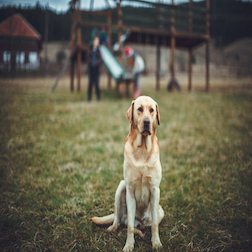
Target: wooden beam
point(173, 42)
point(109, 22)
point(146, 46)
point(46, 38)
point(119, 33)
point(79, 71)
point(79, 56)
point(109, 81)
point(98, 13)
point(126, 90)
point(208, 17)
point(172, 63)
point(207, 66)
point(172, 18)
point(117, 89)
point(119, 10)
point(190, 69)
point(148, 31)
point(73, 34)
point(190, 16)
point(72, 67)
point(158, 68)
point(207, 44)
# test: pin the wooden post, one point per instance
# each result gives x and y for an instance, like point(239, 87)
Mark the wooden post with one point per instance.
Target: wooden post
point(109, 43)
point(72, 74)
point(73, 50)
point(190, 49)
point(172, 19)
point(190, 16)
point(126, 90)
point(208, 17)
point(79, 53)
point(13, 63)
point(207, 66)
point(173, 44)
point(158, 67)
point(117, 89)
point(146, 50)
point(119, 11)
point(159, 26)
point(190, 69)
point(207, 43)
point(46, 38)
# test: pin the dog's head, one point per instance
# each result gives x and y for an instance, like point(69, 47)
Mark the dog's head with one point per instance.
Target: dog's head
point(143, 114)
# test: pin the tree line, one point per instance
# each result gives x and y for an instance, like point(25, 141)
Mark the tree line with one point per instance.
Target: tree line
point(59, 24)
point(230, 20)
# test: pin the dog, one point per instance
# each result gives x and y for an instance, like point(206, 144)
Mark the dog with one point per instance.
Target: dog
point(137, 196)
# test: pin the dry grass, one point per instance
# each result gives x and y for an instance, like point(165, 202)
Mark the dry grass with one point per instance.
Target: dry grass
point(61, 161)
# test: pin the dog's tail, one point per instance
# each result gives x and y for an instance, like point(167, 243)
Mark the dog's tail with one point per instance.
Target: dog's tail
point(104, 220)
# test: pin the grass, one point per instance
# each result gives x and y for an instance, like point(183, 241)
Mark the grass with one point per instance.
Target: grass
point(61, 161)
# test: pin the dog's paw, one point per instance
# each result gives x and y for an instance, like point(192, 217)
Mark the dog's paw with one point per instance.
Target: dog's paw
point(156, 245)
point(113, 227)
point(128, 247)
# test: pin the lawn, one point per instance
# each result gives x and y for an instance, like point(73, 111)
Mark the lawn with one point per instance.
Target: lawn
point(61, 160)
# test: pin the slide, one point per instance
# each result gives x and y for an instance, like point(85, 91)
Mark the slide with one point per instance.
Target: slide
point(112, 64)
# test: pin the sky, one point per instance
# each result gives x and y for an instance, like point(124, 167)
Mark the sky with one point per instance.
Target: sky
point(62, 5)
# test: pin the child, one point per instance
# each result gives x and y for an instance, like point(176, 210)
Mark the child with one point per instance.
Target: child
point(134, 67)
point(94, 65)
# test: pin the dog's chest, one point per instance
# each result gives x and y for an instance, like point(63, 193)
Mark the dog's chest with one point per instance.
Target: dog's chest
point(142, 190)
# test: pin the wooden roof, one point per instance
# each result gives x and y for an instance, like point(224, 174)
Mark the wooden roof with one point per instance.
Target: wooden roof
point(17, 26)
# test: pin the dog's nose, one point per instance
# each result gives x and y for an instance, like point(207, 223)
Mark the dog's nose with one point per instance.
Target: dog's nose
point(146, 122)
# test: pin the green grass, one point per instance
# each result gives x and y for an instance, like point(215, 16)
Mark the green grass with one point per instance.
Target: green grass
point(61, 160)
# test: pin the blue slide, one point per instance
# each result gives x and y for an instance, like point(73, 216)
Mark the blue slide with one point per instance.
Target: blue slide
point(112, 64)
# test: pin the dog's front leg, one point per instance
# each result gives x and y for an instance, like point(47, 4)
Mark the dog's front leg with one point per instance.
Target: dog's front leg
point(131, 211)
point(118, 206)
point(155, 195)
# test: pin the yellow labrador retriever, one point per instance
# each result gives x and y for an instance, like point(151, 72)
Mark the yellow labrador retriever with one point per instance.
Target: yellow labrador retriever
point(137, 196)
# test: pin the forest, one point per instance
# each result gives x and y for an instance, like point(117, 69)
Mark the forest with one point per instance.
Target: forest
point(230, 20)
point(59, 23)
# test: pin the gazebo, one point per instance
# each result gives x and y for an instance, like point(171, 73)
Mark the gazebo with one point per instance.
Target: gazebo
point(20, 45)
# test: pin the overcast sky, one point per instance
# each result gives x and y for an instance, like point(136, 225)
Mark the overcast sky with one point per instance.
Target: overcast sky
point(62, 5)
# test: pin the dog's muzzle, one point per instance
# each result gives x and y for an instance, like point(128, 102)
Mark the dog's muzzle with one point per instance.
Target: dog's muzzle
point(146, 126)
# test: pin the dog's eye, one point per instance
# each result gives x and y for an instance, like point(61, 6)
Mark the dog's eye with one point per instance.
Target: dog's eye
point(151, 110)
point(140, 109)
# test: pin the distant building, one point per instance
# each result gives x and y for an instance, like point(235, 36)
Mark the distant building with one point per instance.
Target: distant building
point(20, 45)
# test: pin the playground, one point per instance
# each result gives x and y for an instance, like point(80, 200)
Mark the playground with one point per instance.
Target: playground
point(61, 162)
point(164, 25)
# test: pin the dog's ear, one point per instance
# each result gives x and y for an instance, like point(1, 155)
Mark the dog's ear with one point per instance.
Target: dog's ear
point(158, 115)
point(130, 112)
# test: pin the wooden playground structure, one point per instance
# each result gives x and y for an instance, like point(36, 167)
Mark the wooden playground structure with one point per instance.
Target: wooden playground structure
point(183, 26)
